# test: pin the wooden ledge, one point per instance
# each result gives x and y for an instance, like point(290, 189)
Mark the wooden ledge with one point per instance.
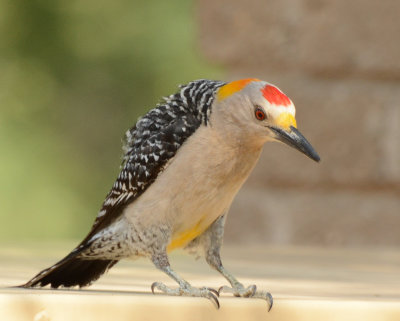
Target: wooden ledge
point(307, 284)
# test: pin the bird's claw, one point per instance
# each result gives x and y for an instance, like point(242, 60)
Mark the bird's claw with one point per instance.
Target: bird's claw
point(155, 284)
point(214, 291)
point(249, 292)
point(213, 296)
point(204, 292)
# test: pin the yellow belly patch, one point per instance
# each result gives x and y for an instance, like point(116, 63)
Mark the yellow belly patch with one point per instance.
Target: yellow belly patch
point(184, 238)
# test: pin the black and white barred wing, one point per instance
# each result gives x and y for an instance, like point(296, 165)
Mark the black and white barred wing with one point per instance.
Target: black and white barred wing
point(152, 142)
point(146, 159)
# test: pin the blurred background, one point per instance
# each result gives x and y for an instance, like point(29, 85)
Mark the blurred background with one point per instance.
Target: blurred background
point(75, 75)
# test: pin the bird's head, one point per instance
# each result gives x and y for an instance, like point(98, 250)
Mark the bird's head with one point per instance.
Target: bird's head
point(262, 112)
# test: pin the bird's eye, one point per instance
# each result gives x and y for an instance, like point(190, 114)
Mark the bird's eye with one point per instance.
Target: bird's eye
point(259, 113)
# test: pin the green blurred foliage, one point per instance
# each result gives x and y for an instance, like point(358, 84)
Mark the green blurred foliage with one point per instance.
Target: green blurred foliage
point(75, 75)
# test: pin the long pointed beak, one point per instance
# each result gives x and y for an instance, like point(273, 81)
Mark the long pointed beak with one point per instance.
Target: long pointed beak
point(296, 140)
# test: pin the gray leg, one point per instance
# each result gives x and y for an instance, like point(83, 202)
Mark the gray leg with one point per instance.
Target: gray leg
point(211, 241)
point(160, 260)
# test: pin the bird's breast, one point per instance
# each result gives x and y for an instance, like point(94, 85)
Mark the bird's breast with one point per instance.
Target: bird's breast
point(197, 187)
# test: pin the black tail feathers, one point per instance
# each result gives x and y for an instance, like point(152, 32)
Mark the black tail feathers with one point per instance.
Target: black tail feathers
point(71, 271)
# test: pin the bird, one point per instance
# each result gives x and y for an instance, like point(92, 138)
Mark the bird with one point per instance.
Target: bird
point(183, 163)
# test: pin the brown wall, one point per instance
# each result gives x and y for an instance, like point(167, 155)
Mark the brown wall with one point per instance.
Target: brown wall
point(339, 61)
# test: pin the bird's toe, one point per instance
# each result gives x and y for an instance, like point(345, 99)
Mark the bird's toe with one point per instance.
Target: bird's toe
point(204, 292)
point(250, 292)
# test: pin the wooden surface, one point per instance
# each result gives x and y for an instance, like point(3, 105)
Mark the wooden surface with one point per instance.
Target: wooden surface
point(307, 284)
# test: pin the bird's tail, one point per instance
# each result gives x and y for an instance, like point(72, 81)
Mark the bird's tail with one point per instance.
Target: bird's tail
point(70, 271)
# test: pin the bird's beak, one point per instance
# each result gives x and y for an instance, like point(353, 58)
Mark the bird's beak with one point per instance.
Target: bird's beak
point(286, 132)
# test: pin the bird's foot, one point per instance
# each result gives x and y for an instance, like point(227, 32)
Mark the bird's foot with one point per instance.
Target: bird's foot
point(188, 290)
point(250, 292)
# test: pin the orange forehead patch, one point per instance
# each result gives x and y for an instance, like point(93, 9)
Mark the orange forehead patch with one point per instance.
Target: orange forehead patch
point(275, 96)
point(233, 87)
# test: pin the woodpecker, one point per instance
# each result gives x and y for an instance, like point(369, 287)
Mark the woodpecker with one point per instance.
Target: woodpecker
point(183, 164)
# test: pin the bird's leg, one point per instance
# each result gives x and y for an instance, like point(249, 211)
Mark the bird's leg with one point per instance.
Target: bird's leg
point(160, 260)
point(212, 242)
